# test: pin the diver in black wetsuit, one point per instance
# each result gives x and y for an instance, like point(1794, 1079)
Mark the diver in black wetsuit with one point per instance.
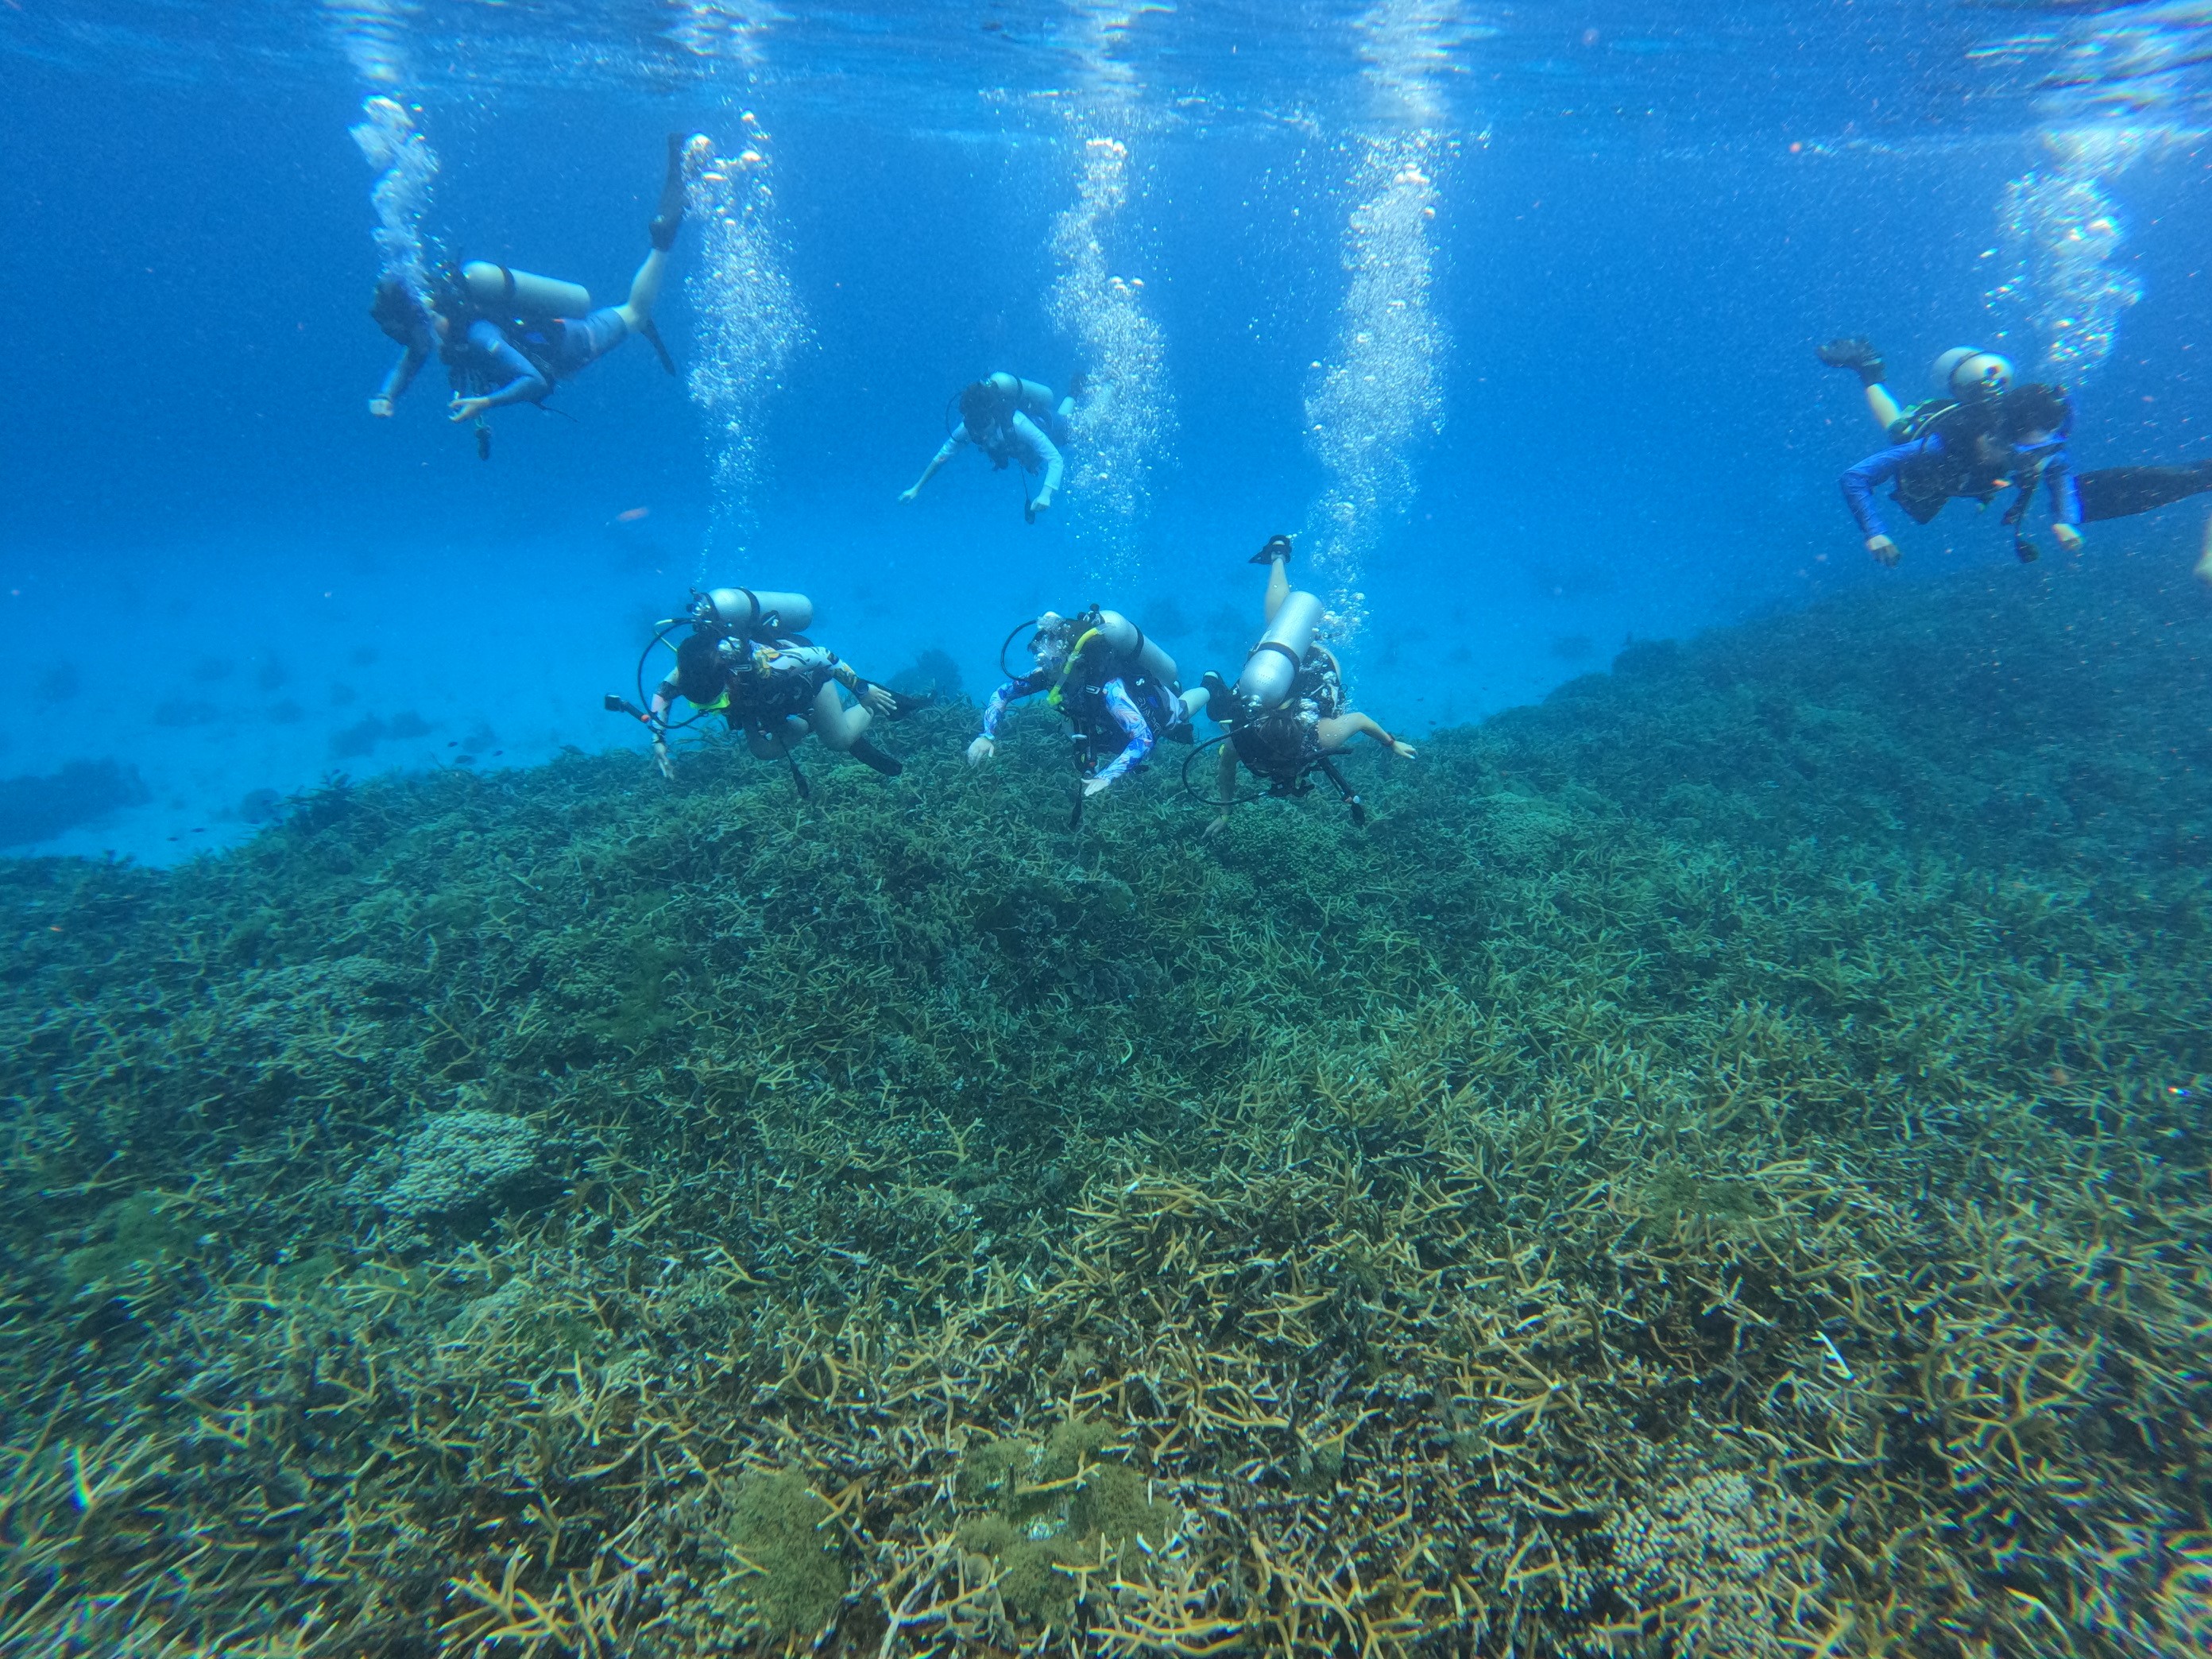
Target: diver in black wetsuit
point(508, 337)
point(745, 661)
point(1968, 442)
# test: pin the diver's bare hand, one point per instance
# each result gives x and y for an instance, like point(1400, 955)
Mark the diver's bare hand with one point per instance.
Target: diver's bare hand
point(981, 751)
point(661, 759)
point(380, 407)
point(467, 409)
point(908, 494)
point(1402, 749)
point(1220, 822)
point(1883, 549)
point(2068, 537)
point(1096, 786)
point(879, 699)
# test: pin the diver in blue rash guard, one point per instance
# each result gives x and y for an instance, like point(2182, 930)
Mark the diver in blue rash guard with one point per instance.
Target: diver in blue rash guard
point(508, 336)
point(1980, 383)
point(1115, 686)
point(1009, 419)
point(1985, 436)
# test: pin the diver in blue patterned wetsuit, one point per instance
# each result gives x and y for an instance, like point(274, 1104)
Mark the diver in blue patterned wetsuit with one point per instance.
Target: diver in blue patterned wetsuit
point(508, 336)
point(1115, 687)
point(1009, 419)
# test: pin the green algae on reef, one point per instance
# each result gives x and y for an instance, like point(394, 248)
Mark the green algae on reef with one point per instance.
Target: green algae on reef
point(1717, 1168)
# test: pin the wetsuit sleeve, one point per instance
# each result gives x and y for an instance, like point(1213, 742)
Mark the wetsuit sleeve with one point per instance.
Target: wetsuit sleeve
point(1863, 480)
point(2065, 491)
point(1041, 455)
point(821, 665)
point(404, 371)
point(1011, 692)
point(525, 385)
point(1131, 720)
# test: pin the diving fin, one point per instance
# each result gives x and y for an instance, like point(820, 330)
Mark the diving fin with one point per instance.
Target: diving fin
point(868, 754)
point(666, 222)
point(904, 703)
point(1277, 547)
point(660, 350)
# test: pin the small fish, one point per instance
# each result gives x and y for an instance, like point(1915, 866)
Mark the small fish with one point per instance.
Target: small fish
point(631, 515)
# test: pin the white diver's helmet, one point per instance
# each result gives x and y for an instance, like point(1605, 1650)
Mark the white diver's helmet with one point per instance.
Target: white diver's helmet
point(1971, 374)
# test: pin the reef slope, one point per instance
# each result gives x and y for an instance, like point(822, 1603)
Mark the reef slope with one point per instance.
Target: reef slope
point(1716, 1168)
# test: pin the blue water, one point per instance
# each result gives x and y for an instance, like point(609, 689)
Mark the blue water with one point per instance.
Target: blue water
point(219, 572)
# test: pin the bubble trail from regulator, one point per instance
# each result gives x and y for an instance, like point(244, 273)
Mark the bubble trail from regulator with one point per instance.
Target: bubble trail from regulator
point(1125, 414)
point(2059, 232)
point(749, 322)
point(406, 167)
point(1381, 392)
point(2118, 86)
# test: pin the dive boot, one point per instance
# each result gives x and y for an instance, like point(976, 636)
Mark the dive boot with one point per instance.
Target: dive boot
point(1856, 353)
point(868, 754)
point(669, 220)
point(1277, 547)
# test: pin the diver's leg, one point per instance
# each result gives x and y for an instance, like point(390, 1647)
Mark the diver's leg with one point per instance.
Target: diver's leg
point(2120, 492)
point(1885, 409)
point(834, 724)
point(1278, 584)
point(644, 291)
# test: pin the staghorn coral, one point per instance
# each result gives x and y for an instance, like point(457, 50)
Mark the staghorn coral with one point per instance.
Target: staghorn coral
point(1332, 1242)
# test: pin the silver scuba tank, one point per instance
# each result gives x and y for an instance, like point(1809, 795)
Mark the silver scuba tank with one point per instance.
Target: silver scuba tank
point(1272, 667)
point(747, 611)
point(501, 292)
point(1131, 644)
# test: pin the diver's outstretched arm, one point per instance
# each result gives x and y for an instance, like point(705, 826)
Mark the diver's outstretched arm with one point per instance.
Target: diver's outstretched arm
point(397, 382)
point(1225, 785)
point(1338, 730)
point(951, 447)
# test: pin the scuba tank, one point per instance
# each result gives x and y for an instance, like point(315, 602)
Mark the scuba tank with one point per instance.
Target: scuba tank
point(498, 291)
point(1130, 643)
point(1272, 667)
point(743, 610)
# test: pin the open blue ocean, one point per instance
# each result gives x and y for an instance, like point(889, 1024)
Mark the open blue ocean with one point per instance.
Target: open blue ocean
point(1597, 1050)
point(1563, 386)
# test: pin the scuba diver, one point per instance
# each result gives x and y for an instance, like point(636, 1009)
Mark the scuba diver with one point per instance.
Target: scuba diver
point(508, 337)
point(747, 660)
point(1981, 436)
point(1010, 419)
point(1286, 717)
point(1115, 687)
point(1949, 439)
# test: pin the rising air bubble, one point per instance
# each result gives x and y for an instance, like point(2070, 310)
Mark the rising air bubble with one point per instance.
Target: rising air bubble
point(750, 324)
point(1380, 394)
point(1125, 415)
point(405, 166)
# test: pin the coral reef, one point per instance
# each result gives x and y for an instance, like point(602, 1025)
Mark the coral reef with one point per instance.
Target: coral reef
point(1719, 1167)
point(459, 1161)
